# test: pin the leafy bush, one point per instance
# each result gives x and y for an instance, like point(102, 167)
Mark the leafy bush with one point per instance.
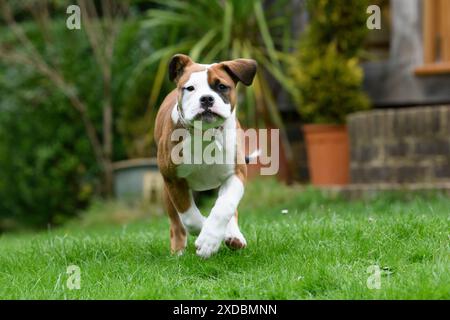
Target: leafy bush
point(47, 169)
point(134, 80)
point(325, 68)
point(337, 22)
point(330, 88)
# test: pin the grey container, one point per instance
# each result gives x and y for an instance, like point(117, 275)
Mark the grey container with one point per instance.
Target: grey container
point(137, 180)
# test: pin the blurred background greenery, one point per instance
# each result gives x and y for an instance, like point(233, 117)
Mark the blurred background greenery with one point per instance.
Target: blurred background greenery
point(73, 102)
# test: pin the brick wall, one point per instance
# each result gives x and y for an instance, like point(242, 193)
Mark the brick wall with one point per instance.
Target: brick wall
point(410, 145)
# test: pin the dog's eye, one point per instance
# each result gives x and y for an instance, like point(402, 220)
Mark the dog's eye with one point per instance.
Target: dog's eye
point(222, 87)
point(190, 88)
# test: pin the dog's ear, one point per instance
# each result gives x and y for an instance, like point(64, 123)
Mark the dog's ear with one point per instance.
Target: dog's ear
point(242, 70)
point(177, 65)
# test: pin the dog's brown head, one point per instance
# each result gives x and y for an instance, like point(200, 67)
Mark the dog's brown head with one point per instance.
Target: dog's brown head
point(207, 93)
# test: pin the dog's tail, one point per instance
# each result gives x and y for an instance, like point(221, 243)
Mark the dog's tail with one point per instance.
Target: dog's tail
point(255, 154)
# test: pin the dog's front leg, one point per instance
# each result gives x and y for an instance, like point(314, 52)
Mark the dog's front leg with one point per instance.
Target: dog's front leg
point(214, 227)
point(183, 213)
point(184, 204)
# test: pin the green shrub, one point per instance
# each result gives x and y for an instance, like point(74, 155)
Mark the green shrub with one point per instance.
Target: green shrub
point(339, 22)
point(47, 168)
point(133, 83)
point(325, 67)
point(330, 88)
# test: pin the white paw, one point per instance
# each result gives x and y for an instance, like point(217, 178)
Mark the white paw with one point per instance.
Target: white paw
point(234, 238)
point(209, 240)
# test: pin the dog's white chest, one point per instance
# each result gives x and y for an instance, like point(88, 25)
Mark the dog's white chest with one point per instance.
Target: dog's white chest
point(201, 177)
point(203, 172)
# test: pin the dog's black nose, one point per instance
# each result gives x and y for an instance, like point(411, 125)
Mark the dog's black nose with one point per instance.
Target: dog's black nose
point(206, 101)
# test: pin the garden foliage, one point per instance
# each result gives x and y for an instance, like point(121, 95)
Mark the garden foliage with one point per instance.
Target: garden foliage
point(325, 69)
point(47, 168)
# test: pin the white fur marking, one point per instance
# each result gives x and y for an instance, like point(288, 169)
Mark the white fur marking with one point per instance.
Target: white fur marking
point(255, 154)
point(204, 176)
point(174, 115)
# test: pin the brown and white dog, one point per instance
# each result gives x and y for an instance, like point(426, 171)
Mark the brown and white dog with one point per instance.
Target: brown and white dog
point(205, 94)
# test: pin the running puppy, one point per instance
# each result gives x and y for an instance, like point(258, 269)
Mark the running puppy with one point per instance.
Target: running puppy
point(205, 94)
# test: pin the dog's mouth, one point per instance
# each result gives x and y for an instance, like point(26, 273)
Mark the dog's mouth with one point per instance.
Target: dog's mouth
point(208, 116)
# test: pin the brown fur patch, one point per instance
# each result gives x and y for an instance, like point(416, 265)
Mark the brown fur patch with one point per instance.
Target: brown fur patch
point(217, 75)
point(195, 67)
point(177, 231)
point(243, 70)
point(240, 166)
point(234, 243)
point(177, 188)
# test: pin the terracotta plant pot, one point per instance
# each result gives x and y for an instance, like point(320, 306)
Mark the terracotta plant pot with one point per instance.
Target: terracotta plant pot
point(327, 147)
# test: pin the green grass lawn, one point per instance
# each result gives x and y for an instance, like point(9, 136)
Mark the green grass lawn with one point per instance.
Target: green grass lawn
point(320, 249)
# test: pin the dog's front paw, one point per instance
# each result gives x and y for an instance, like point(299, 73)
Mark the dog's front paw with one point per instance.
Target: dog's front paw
point(234, 239)
point(209, 240)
